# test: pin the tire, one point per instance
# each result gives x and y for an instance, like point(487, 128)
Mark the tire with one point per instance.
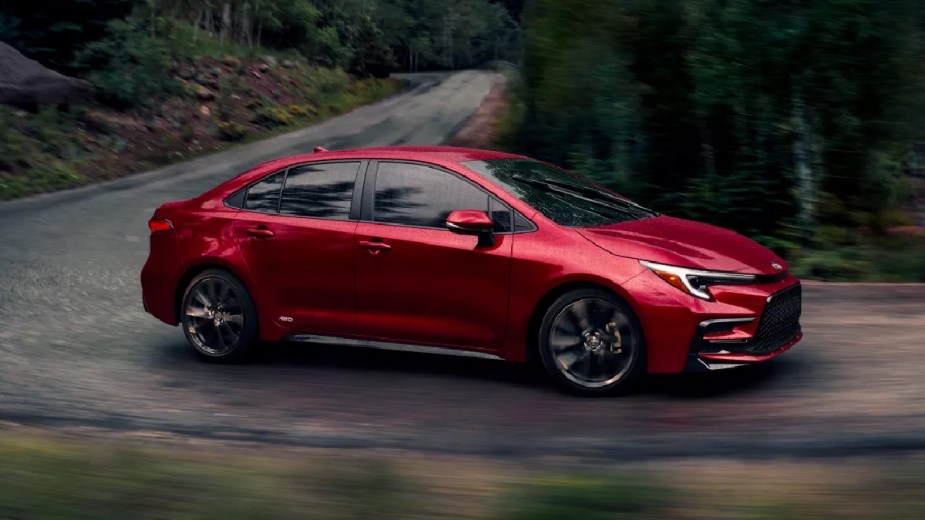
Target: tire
point(218, 317)
point(591, 343)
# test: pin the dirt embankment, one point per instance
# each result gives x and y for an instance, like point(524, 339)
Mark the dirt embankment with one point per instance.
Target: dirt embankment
point(481, 129)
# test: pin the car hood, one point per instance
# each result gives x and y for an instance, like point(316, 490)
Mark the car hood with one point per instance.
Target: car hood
point(685, 243)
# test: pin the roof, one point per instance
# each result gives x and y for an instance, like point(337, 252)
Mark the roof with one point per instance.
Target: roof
point(438, 154)
point(446, 156)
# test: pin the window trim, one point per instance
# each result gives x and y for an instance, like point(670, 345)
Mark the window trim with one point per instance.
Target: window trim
point(352, 215)
point(369, 196)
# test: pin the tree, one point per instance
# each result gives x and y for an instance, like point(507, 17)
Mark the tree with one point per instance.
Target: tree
point(746, 113)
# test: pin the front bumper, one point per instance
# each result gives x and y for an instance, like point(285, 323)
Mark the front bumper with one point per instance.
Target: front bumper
point(729, 343)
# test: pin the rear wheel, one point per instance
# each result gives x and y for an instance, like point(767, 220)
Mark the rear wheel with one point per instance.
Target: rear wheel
point(219, 317)
point(591, 343)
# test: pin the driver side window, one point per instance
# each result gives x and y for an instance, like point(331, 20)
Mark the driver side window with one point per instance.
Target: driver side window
point(421, 196)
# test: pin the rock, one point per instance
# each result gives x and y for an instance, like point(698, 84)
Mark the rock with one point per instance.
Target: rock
point(270, 61)
point(288, 64)
point(231, 61)
point(263, 67)
point(216, 72)
point(205, 94)
point(205, 111)
point(256, 74)
point(212, 82)
point(151, 124)
point(186, 73)
point(26, 83)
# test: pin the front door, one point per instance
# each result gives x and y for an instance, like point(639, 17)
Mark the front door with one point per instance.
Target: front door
point(296, 234)
point(418, 282)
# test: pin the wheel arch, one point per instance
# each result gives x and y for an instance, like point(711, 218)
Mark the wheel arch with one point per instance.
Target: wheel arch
point(199, 267)
point(563, 287)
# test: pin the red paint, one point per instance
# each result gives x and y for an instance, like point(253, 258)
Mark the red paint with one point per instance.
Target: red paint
point(751, 358)
point(432, 286)
point(470, 219)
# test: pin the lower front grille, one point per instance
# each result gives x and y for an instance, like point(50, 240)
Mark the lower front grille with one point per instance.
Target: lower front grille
point(778, 325)
point(780, 321)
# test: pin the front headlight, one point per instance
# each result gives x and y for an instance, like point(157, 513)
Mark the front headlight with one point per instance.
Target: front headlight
point(696, 282)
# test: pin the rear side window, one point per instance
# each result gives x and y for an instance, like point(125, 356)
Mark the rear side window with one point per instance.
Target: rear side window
point(418, 195)
point(264, 196)
point(319, 190)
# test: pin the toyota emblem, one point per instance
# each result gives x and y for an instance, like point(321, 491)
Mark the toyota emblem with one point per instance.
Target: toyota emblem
point(777, 266)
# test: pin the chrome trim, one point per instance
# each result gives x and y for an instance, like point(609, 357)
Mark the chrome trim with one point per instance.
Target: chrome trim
point(684, 272)
point(456, 227)
point(707, 323)
point(385, 345)
point(720, 366)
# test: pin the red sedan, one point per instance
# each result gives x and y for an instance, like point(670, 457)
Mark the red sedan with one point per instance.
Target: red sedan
point(469, 252)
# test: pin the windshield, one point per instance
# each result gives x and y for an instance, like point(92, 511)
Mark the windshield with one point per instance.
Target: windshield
point(566, 199)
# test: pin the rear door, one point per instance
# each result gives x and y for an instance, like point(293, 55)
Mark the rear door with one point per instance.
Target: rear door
point(418, 282)
point(296, 234)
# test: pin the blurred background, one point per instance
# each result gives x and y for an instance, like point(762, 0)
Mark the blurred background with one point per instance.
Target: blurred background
point(796, 122)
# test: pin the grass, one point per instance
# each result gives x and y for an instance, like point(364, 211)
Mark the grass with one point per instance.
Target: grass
point(54, 477)
point(59, 149)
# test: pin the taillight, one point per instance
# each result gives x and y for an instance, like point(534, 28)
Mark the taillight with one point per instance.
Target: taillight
point(159, 224)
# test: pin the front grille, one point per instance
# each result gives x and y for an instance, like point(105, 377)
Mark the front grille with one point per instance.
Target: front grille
point(780, 321)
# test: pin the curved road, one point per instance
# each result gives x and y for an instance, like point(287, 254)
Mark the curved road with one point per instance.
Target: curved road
point(76, 349)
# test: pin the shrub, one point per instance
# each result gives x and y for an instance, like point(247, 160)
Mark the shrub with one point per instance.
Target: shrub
point(231, 131)
point(273, 116)
point(128, 66)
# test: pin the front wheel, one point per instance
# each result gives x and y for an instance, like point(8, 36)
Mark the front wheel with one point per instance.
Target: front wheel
point(591, 343)
point(219, 317)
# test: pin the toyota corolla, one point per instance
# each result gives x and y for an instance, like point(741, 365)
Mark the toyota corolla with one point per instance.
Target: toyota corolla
point(468, 252)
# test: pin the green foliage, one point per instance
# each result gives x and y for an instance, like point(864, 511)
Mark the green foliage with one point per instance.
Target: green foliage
point(699, 108)
point(843, 254)
point(40, 144)
point(52, 31)
point(274, 116)
point(55, 481)
point(585, 498)
point(128, 66)
point(372, 55)
point(50, 478)
point(231, 131)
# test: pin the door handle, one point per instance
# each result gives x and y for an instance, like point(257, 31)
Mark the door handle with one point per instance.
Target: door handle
point(259, 232)
point(374, 247)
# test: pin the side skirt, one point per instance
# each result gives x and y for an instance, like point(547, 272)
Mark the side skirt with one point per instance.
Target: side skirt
point(385, 345)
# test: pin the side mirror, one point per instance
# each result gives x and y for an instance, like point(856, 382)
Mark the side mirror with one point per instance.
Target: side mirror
point(472, 222)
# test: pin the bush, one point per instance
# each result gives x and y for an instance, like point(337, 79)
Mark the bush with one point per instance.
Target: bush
point(273, 117)
point(128, 67)
point(231, 131)
point(877, 258)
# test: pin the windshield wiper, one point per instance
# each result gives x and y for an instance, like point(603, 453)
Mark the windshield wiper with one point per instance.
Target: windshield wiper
point(626, 207)
point(601, 195)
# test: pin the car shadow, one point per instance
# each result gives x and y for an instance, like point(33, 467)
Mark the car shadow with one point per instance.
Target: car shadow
point(721, 382)
point(370, 359)
point(363, 362)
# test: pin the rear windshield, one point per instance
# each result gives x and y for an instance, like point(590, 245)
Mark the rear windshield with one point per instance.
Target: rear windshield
point(564, 198)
